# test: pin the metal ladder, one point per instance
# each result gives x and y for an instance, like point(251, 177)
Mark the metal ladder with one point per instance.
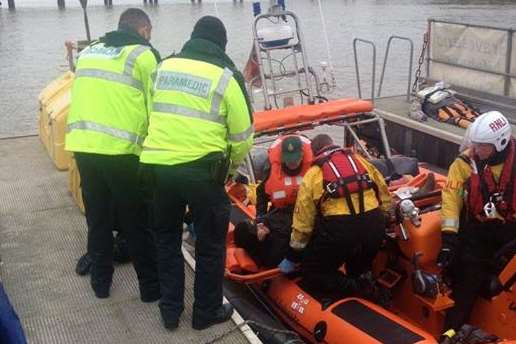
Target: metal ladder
point(273, 70)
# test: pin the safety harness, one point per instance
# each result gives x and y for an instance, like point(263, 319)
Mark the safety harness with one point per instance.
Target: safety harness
point(483, 189)
point(343, 175)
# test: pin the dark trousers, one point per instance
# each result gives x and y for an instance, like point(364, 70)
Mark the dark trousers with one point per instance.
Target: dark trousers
point(176, 187)
point(112, 183)
point(354, 240)
point(478, 244)
point(269, 252)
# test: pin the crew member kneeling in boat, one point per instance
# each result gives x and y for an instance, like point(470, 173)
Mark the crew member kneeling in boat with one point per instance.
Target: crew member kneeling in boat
point(338, 219)
point(267, 241)
point(478, 210)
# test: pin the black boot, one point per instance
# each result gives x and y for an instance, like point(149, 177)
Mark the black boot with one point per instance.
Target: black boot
point(83, 266)
point(120, 249)
point(101, 276)
point(222, 314)
point(171, 322)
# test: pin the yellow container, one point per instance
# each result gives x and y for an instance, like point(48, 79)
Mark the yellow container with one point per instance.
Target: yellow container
point(54, 103)
point(74, 184)
point(58, 112)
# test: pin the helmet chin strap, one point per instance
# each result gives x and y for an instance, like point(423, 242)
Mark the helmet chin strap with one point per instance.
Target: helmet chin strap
point(497, 157)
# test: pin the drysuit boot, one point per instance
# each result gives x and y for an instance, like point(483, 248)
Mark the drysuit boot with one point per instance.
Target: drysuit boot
point(365, 287)
point(203, 321)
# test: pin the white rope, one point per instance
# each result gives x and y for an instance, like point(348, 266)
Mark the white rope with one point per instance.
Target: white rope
point(216, 9)
point(325, 33)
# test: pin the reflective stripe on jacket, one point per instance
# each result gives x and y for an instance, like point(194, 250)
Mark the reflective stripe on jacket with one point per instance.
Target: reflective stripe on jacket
point(282, 188)
point(196, 108)
point(311, 191)
point(108, 113)
point(455, 192)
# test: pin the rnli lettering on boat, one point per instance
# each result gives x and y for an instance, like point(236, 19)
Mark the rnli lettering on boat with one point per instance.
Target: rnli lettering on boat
point(174, 81)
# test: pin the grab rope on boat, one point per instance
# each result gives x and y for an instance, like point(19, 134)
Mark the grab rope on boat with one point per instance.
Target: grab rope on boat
point(296, 340)
point(332, 84)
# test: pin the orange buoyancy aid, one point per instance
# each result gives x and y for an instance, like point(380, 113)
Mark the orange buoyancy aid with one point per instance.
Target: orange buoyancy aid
point(482, 189)
point(282, 188)
point(344, 175)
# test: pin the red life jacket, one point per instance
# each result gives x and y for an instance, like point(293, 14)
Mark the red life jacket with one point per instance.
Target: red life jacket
point(482, 188)
point(282, 188)
point(343, 175)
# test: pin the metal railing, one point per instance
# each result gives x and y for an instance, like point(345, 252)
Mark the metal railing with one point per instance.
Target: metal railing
point(373, 76)
point(411, 61)
point(357, 69)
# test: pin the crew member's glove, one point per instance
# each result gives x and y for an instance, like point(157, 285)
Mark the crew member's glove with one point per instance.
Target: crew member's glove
point(286, 266)
point(450, 241)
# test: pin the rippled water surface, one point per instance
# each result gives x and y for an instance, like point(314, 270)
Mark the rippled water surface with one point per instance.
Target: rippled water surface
point(32, 36)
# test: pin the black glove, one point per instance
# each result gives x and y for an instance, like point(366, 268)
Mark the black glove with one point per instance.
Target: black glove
point(450, 241)
point(241, 179)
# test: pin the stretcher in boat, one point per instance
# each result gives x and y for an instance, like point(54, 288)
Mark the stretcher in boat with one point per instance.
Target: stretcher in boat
point(310, 114)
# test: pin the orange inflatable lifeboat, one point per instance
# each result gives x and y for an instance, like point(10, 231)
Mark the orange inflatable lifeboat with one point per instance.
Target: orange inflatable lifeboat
point(416, 310)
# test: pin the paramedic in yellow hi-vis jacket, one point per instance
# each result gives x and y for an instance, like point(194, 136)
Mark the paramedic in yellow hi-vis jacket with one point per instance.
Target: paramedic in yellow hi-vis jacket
point(200, 131)
point(338, 219)
point(106, 128)
point(478, 210)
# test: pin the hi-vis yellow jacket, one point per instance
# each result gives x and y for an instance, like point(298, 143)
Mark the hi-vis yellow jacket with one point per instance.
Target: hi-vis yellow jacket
point(454, 195)
point(311, 191)
point(108, 113)
point(196, 108)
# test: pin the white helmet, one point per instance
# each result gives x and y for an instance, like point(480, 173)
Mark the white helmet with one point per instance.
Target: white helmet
point(490, 127)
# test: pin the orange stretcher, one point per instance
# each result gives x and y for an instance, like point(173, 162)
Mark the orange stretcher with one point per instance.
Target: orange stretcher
point(314, 114)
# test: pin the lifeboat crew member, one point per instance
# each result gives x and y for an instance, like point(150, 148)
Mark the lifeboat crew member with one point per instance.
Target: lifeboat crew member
point(478, 210)
point(267, 241)
point(338, 218)
point(105, 130)
point(200, 130)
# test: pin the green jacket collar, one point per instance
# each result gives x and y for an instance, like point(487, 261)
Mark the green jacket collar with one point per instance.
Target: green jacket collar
point(122, 38)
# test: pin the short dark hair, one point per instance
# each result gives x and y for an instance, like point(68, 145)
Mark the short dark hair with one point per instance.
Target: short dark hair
point(133, 19)
point(319, 142)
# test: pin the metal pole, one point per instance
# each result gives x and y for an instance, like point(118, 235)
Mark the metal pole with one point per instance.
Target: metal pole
point(61, 4)
point(84, 3)
point(508, 58)
point(429, 32)
point(11, 5)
